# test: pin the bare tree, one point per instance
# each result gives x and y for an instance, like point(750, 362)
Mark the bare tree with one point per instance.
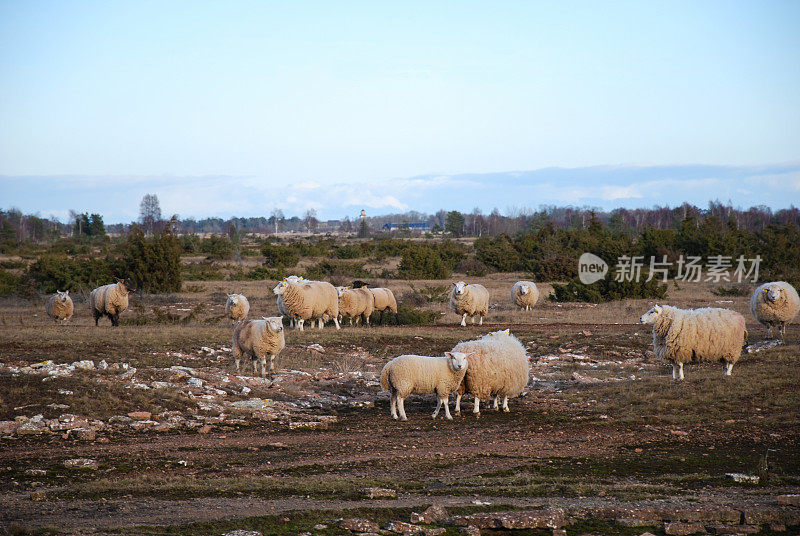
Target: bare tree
point(311, 220)
point(277, 217)
point(149, 212)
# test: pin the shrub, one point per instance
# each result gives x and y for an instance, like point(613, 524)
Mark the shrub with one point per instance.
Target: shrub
point(201, 271)
point(9, 283)
point(608, 290)
point(154, 262)
point(407, 315)
point(217, 247)
point(498, 253)
point(58, 272)
point(262, 272)
point(279, 256)
point(730, 291)
point(558, 268)
point(450, 252)
point(326, 269)
point(347, 252)
point(421, 261)
point(472, 267)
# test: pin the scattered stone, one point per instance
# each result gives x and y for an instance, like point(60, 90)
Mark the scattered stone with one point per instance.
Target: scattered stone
point(316, 348)
point(36, 425)
point(38, 495)
point(379, 493)
point(434, 513)
point(679, 433)
point(140, 415)
point(758, 346)
point(683, 529)
point(438, 531)
point(86, 463)
point(314, 425)
point(789, 500)
point(120, 419)
point(401, 527)
point(587, 333)
point(86, 364)
point(242, 532)
point(582, 378)
point(359, 525)
point(83, 434)
point(102, 365)
point(35, 472)
point(469, 530)
point(735, 529)
point(743, 478)
point(552, 518)
point(8, 427)
point(58, 406)
point(195, 382)
point(320, 526)
point(559, 532)
point(206, 428)
point(253, 403)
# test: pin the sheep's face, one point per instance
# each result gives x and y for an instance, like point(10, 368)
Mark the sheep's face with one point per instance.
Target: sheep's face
point(234, 298)
point(294, 278)
point(459, 288)
point(341, 290)
point(772, 293)
point(274, 323)
point(280, 288)
point(458, 360)
point(651, 316)
point(524, 289)
point(498, 334)
point(62, 296)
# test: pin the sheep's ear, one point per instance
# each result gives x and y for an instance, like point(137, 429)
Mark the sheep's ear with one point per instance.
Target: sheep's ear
point(508, 332)
point(657, 308)
point(67, 293)
point(448, 354)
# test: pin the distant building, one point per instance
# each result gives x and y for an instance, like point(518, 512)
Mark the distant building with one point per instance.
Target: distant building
point(414, 226)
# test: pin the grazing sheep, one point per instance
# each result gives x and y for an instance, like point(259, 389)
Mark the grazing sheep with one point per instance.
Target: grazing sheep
point(408, 374)
point(694, 335)
point(384, 298)
point(59, 307)
point(111, 300)
point(498, 367)
point(775, 304)
point(355, 303)
point(524, 294)
point(281, 308)
point(472, 300)
point(237, 307)
point(259, 339)
point(309, 300)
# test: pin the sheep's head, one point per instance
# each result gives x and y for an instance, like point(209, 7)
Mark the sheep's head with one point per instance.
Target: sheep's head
point(524, 289)
point(62, 296)
point(274, 324)
point(234, 298)
point(280, 288)
point(772, 293)
point(459, 287)
point(294, 278)
point(341, 290)
point(458, 360)
point(651, 316)
point(500, 333)
point(128, 283)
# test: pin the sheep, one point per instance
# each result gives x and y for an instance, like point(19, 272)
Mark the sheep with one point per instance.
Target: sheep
point(59, 307)
point(775, 304)
point(694, 335)
point(524, 294)
point(407, 374)
point(384, 299)
point(309, 300)
point(259, 339)
point(111, 300)
point(237, 307)
point(498, 367)
point(281, 308)
point(472, 300)
point(355, 303)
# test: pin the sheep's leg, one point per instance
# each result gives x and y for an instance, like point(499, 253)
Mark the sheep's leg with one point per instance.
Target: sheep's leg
point(505, 405)
point(237, 356)
point(769, 330)
point(728, 368)
point(320, 323)
point(114, 320)
point(300, 323)
point(472, 319)
point(476, 407)
point(272, 362)
point(366, 319)
point(480, 320)
point(458, 404)
point(675, 368)
point(393, 404)
point(464, 320)
point(438, 406)
point(782, 330)
point(401, 409)
point(495, 406)
point(337, 323)
point(447, 407)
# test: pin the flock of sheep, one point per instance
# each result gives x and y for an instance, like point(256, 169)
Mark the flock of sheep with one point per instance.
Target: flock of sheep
point(494, 366)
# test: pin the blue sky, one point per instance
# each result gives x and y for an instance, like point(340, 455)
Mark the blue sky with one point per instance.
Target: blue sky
point(224, 108)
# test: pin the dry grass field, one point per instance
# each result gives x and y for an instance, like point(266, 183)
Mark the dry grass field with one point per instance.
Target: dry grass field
point(601, 432)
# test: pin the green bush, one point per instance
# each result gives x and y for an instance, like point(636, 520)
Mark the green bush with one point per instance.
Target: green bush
point(608, 290)
point(422, 261)
point(347, 252)
point(407, 316)
point(347, 269)
point(154, 263)
point(499, 253)
point(217, 247)
point(9, 283)
point(59, 272)
point(201, 271)
point(262, 272)
point(557, 268)
point(280, 256)
point(472, 267)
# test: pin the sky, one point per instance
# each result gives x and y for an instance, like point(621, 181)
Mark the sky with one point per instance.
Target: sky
point(235, 108)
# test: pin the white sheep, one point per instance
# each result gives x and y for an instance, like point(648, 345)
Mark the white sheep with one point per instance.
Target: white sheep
point(472, 300)
point(498, 367)
point(259, 339)
point(111, 300)
point(237, 307)
point(775, 304)
point(281, 308)
point(59, 307)
point(384, 299)
point(695, 335)
point(309, 300)
point(355, 303)
point(407, 374)
point(524, 294)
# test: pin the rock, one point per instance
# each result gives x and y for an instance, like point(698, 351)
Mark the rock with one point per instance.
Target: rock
point(683, 529)
point(320, 526)
point(586, 332)
point(743, 478)
point(359, 525)
point(8, 427)
point(552, 518)
point(582, 378)
point(735, 529)
point(760, 515)
point(479, 520)
point(36, 425)
point(379, 493)
point(140, 415)
point(316, 348)
point(83, 434)
point(86, 463)
point(86, 364)
point(242, 532)
point(102, 365)
point(469, 530)
point(38, 495)
point(253, 403)
point(438, 531)
point(195, 382)
point(559, 532)
point(120, 419)
point(314, 425)
point(36, 472)
point(43, 365)
point(434, 513)
point(401, 527)
point(783, 500)
point(206, 428)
